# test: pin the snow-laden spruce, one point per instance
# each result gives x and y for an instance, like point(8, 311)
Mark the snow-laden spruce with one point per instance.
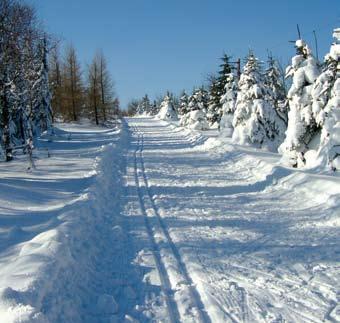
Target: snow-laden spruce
point(196, 117)
point(216, 92)
point(167, 110)
point(302, 127)
point(214, 106)
point(256, 121)
point(228, 101)
point(326, 109)
point(183, 104)
point(274, 80)
point(144, 106)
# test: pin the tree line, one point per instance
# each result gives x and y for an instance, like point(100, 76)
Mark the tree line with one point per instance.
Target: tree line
point(38, 86)
point(78, 94)
point(254, 106)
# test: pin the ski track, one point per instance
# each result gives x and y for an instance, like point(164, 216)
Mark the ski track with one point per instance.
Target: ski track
point(165, 282)
point(182, 283)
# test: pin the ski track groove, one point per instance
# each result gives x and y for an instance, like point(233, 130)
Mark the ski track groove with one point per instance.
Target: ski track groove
point(165, 283)
point(195, 297)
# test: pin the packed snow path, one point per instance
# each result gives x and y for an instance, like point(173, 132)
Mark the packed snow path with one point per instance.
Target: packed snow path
point(155, 223)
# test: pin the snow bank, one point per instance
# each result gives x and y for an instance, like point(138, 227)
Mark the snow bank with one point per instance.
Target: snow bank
point(73, 192)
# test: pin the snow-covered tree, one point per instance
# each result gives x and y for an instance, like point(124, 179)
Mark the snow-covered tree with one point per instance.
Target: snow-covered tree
point(301, 123)
point(183, 104)
point(43, 114)
point(214, 110)
point(145, 105)
point(274, 80)
point(25, 109)
point(217, 90)
point(167, 110)
point(255, 119)
point(228, 101)
point(154, 108)
point(326, 108)
point(196, 117)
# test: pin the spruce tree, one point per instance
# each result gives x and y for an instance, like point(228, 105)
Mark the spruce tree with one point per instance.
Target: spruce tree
point(228, 101)
point(167, 110)
point(196, 117)
point(255, 120)
point(274, 80)
point(301, 124)
point(217, 90)
point(183, 104)
point(326, 108)
point(145, 105)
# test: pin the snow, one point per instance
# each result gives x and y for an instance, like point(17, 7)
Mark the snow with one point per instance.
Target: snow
point(154, 222)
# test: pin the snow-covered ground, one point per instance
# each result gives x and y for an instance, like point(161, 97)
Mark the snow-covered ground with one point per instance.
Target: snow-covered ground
point(151, 222)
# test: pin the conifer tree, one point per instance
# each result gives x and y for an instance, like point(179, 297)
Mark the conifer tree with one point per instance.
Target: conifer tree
point(94, 89)
point(326, 108)
point(301, 124)
point(167, 110)
point(228, 101)
point(183, 104)
point(154, 108)
point(56, 83)
point(217, 90)
point(214, 109)
point(145, 105)
point(73, 90)
point(106, 88)
point(274, 80)
point(196, 117)
point(255, 120)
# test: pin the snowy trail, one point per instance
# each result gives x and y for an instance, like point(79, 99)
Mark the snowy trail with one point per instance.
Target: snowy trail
point(156, 250)
point(170, 265)
point(150, 222)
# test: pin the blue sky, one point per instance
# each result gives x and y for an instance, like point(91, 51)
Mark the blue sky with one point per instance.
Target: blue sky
point(156, 45)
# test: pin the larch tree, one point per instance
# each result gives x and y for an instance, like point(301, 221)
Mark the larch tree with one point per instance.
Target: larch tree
point(56, 82)
point(73, 88)
point(106, 88)
point(94, 88)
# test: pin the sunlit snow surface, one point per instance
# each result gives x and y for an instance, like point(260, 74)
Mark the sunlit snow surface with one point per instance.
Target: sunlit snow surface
point(158, 223)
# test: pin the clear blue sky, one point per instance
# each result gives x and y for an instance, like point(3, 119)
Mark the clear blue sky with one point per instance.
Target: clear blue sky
point(156, 45)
